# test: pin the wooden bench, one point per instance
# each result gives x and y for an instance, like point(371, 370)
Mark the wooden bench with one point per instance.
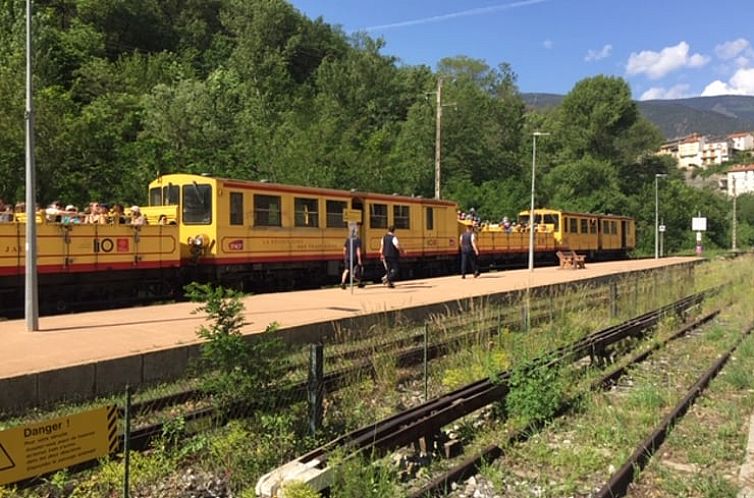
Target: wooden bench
point(571, 260)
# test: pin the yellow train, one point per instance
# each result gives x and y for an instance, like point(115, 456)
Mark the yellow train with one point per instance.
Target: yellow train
point(259, 236)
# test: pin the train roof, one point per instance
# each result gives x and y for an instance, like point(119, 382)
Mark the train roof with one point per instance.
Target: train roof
point(282, 187)
point(575, 213)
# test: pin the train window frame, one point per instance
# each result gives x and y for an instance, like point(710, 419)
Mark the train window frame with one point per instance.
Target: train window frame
point(235, 204)
point(377, 220)
point(304, 216)
point(430, 217)
point(613, 228)
point(593, 225)
point(190, 214)
point(583, 225)
point(268, 210)
point(155, 196)
point(334, 211)
point(552, 219)
point(171, 195)
point(402, 217)
point(574, 228)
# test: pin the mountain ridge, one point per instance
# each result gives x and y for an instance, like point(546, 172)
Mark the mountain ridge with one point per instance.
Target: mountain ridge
point(713, 116)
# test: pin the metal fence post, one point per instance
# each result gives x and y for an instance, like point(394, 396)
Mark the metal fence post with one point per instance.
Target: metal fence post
point(126, 437)
point(426, 373)
point(315, 387)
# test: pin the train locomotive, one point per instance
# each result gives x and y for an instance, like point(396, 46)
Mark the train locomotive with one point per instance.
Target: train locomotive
point(258, 236)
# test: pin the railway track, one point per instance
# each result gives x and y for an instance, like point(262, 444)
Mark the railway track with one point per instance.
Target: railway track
point(440, 485)
point(428, 418)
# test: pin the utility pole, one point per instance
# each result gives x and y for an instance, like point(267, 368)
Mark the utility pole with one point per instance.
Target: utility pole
point(438, 137)
point(31, 301)
point(733, 244)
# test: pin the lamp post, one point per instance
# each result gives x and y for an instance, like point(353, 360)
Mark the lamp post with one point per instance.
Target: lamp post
point(657, 214)
point(733, 234)
point(531, 211)
point(31, 299)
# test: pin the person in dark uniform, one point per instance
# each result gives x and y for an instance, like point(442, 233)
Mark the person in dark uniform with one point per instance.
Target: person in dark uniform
point(469, 251)
point(349, 260)
point(390, 253)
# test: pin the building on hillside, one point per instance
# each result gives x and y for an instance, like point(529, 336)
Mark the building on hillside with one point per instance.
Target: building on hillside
point(740, 179)
point(690, 151)
point(716, 151)
point(669, 149)
point(742, 141)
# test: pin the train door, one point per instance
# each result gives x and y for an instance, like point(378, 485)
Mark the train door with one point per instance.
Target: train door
point(600, 231)
point(358, 204)
point(430, 242)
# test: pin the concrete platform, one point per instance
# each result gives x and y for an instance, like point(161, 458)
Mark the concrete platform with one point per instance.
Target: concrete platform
point(85, 354)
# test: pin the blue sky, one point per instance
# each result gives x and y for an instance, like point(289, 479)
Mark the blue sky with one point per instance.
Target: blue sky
point(664, 48)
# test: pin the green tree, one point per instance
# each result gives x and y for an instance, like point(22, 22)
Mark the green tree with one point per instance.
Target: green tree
point(594, 114)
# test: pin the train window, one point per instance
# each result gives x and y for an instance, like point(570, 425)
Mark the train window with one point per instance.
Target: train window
point(267, 210)
point(605, 227)
point(565, 224)
point(378, 216)
point(401, 217)
point(430, 218)
point(155, 196)
point(306, 212)
point(236, 208)
point(197, 204)
point(170, 195)
point(592, 226)
point(335, 214)
point(554, 220)
point(613, 228)
point(574, 225)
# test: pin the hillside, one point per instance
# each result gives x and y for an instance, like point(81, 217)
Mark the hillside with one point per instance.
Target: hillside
point(707, 115)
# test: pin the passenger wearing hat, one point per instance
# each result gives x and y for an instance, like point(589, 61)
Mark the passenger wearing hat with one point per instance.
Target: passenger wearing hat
point(137, 218)
point(71, 215)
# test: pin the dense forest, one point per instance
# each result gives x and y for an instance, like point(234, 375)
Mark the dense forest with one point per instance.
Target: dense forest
point(126, 90)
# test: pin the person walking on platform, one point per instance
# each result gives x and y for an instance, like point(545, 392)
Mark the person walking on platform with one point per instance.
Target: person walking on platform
point(469, 251)
point(390, 253)
point(352, 247)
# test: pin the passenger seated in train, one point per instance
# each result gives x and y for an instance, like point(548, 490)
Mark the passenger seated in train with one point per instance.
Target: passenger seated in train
point(6, 212)
point(118, 214)
point(54, 212)
point(95, 214)
point(137, 218)
point(71, 215)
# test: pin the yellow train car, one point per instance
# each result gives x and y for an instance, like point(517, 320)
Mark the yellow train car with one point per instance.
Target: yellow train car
point(94, 264)
point(598, 236)
point(264, 235)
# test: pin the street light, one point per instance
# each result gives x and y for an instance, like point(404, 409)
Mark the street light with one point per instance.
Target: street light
point(657, 214)
point(531, 211)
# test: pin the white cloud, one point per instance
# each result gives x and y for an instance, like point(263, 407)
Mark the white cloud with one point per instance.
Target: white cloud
point(731, 49)
point(547, 44)
point(657, 64)
point(595, 55)
point(742, 83)
point(674, 92)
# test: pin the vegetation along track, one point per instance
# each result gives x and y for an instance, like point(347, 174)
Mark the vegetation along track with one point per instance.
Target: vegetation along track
point(427, 419)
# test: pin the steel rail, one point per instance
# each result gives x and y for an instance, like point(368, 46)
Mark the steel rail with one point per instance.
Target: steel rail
point(439, 485)
point(428, 418)
point(619, 482)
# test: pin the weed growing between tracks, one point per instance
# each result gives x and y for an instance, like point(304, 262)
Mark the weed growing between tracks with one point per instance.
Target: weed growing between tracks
point(239, 452)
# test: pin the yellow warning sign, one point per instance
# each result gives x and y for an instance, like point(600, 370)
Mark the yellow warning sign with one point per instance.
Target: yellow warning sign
point(352, 215)
point(49, 445)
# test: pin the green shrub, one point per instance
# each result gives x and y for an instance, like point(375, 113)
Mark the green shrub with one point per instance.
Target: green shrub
point(235, 366)
point(535, 393)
